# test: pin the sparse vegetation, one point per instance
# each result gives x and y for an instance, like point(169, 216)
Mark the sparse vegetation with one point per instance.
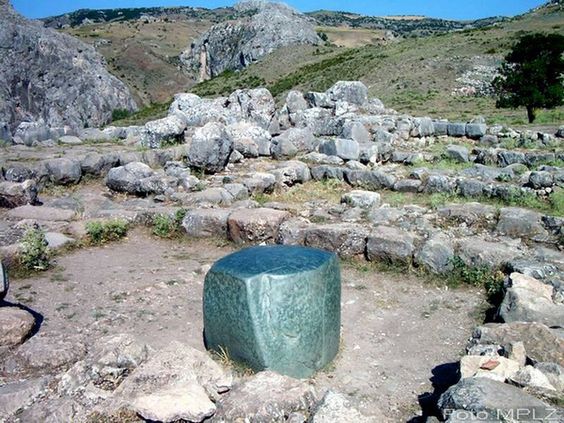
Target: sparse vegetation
point(101, 232)
point(166, 226)
point(34, 255)
point(120, 114)
point(479, 276)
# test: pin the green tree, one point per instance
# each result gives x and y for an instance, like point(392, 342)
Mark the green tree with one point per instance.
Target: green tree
point(532, 74)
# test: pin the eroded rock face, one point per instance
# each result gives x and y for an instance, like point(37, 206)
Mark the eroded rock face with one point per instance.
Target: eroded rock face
point(262, 27)
point(52, 80)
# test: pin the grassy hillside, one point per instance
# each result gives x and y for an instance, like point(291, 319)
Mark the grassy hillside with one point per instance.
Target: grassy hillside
point(415, 75)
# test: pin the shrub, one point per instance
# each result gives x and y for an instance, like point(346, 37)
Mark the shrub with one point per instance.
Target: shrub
point(34, 253)
point(479, 276)
point(119, 114)
point(165, 226)
point(102, 232)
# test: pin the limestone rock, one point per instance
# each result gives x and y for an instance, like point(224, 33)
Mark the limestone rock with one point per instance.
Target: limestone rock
point(256, 225)
point(266, 396)
point(15, 194)
point(250, 140)
point(334, 407)
point(68, 78)
point(457, 153)
point(362, 199)
point(492, 398)
point(353, 92)
point(343, 148)
point(168, 129)
point(390, 244)
point(261, 28)
point(128, 178)
point(521, 223)
point(436, 254)
point(345, 239)
point(17, 395)
point(498, 368)
point(206, 222)
point(64, 171)
point(15, 325)
point(529, 300)
point(532, 378)
point(210, 148)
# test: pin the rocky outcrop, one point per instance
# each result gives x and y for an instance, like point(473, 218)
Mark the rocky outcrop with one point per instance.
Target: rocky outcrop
point(51, 80)
point(261, 28)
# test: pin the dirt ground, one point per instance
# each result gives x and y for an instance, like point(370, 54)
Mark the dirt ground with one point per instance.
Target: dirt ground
point(399, 333)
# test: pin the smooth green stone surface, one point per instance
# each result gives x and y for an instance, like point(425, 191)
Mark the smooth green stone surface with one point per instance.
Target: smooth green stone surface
point(275, 307)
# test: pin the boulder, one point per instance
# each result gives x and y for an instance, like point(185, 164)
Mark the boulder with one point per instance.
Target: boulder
point(18, 173)
point(496, 368)
point(15, 326)
point(521, 223)
point(127, 178)
point(541, 179)
point(438, 184)
point(356, 131)
point(476, 130)
point(345, 239)
point(407, 185)
point(320, 173)
point(541, 343)
point(250, 140)
point(456, 129)
point(292, 172)
point(457, 153)
point(16, 396)
point(70, 140)
point(96, 164)
point(362, 199)
point(64, 171)
point(15, 194)
point(167, 130)
point(554, 373)
point(204, 223)
point(493, 400)
point(508, 157)
point(476, 252)
point(266, 397)
point(529, 300)
point(254, 105)
point(295, 101)
point(343, 148)
point(210, 148)
point(390, 244)
point(423, 127)
point(41, 213)
point(436, 254)
point(335, 407)
point(530, 377)
point(255, 225)
point(293, 231)
point(259, 183)
point(353, 92)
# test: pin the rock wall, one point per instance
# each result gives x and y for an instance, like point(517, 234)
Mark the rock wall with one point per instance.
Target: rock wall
point(52, 79)
point(261, 28)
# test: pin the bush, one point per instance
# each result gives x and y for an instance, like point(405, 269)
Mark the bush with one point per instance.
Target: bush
point(102, 232)
point(480, 276)
point(34, 253)
point(165, 226)
point(119, 114)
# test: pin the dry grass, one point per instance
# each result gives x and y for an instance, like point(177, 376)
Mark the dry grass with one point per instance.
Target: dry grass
point(330, 190)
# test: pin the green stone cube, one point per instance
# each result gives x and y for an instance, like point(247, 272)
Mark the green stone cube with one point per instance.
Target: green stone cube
point(275, 307)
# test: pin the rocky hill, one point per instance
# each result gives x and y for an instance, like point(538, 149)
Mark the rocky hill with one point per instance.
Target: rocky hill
point(263, 28)
point(52, 80)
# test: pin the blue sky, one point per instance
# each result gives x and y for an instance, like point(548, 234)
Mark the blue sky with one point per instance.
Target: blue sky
point(453, 9)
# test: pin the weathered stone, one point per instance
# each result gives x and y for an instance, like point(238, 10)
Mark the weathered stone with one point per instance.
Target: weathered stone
point(554, 373)
point(175, 368)
point(529, 377)
point(97, 164)
point(15, 326)
point(539, 180)
point(295, 101)
point(293, 231)
point(541, 343)
point(370, 180)
point(41, 213)
point(345, 239)
point(521, 223)
point(206, 222)
point(18, 173)
point(166, 130)
point(476, 130)
point(407, 185)
point(301, 138)
point(471, 187)
point(16, 396)
point(334, 407)
point(436, 254)
point(14, 194)
point(496, 368)
point(71, 86)
point(283, 148)
point(507, 157)
point(423, 127)
point(441, 128)
point(210, 148)
point(494, 399)
point(169, 404)
point(475, 251)
point(4, 282)
point(127, 178)
point(278, 287)
point(261, 29)
point(390, 244)
point(529, 300)
point(50, 351)
point(57, 240)
point(292, 172)
point(457, 153)
point(70, 140)
point(250, 140)
point(259, 183)
point(489, 140)
point(456, 129)
point(356, 131)
point(238, 191)
point(343, 148)
point(362, 199)
point(438, 184)
point(256, 225)
point(64, 171)
point(353, 92)
point(266, 397)
point(320, 173)
point(469, 213)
